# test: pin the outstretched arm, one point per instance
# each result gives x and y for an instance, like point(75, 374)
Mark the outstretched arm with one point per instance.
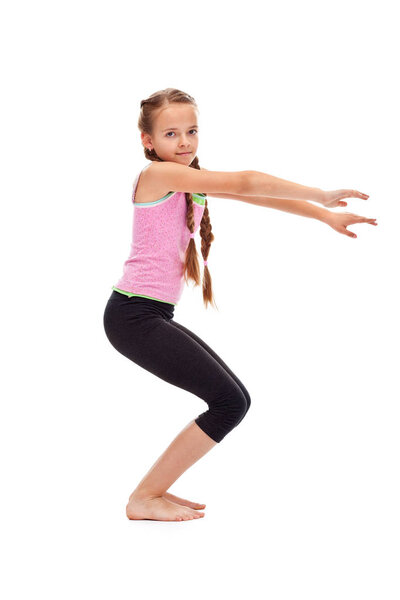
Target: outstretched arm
point(338, 221)
point(173, 176)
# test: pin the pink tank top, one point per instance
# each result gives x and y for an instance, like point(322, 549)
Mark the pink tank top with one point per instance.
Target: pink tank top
point(160, 237)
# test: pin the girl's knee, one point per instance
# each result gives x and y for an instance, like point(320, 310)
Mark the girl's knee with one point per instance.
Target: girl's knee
point(224, 413)
point(230, 407)
point(246, 395)
point(245, 407)
point(241, 405)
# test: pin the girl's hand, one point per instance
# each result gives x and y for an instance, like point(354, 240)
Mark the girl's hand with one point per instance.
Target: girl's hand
point(339, 222)
point(334, 198)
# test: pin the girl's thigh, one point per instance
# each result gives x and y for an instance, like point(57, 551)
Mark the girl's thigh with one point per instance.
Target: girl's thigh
point(173, 354)
point(214, 356)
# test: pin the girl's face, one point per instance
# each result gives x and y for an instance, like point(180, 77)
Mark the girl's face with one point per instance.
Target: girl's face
point(175, 133)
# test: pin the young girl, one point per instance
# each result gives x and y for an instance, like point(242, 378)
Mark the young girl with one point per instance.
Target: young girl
point(138, 318)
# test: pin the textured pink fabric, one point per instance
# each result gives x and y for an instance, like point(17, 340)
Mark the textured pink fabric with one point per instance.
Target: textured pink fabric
point(160, 238)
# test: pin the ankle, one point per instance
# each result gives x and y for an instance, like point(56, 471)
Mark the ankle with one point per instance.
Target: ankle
point(142, 494)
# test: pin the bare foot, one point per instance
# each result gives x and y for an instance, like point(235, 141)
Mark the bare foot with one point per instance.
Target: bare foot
point(182, 501)
point(158, 509)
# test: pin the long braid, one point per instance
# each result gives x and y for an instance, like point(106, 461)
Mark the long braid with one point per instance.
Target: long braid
point(191, 267)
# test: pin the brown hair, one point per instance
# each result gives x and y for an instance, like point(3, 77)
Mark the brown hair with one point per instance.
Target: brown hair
point(191, 265)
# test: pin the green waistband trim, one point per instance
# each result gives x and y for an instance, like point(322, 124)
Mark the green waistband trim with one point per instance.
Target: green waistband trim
point(130, 294)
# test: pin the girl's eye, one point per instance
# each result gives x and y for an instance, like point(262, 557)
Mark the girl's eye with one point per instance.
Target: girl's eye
point(167, 134)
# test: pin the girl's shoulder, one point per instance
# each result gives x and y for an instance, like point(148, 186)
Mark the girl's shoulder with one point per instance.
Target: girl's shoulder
point(148, 189)
point(145, 189)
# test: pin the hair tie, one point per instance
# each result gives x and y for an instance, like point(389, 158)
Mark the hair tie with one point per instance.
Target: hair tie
point(205, 262)
point(192, 235)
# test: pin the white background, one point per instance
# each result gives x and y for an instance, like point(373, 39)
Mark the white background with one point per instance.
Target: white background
point(302, 498)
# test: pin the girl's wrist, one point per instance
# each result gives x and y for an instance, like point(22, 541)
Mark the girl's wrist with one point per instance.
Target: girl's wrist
point(326, 215)
point(323, 197)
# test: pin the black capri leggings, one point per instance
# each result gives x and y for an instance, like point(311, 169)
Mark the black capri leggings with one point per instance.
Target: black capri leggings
point(144, 331)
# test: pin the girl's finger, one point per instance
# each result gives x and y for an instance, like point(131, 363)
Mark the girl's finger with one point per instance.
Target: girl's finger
point(349, 233)
point(367, 220)
point(360, 195)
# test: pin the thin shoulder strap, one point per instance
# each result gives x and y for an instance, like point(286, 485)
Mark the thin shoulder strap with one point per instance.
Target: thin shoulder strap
point(135, 183)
